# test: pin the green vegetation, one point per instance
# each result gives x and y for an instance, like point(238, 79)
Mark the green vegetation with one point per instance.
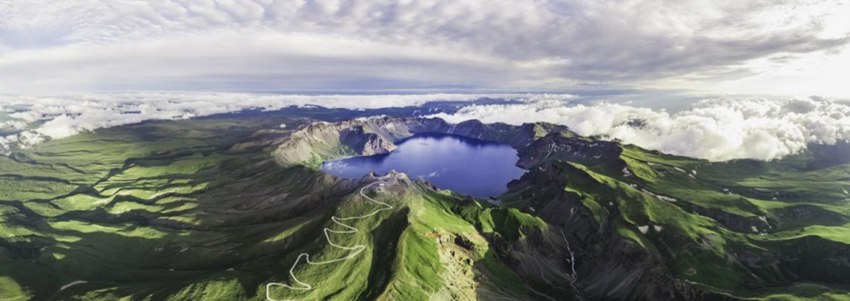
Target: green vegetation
point(203, 210)
point(120, 205)
point(699, 218)
point(199, 210)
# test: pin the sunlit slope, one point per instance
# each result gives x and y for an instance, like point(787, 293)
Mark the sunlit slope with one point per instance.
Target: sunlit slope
point(121, 211)
point(427, 246)
point(231, 208)
point(200, 210)
point(743, 229)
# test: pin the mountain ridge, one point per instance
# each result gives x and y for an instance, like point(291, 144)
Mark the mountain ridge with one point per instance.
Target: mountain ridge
point(219, 207)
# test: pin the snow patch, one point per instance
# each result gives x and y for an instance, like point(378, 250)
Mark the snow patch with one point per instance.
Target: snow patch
point(666, 198)
point(64, 287)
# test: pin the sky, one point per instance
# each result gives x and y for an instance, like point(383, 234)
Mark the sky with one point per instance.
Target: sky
point(728, 47)
point(718, 80)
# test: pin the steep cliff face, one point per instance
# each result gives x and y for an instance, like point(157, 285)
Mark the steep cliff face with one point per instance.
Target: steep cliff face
point(607, 265)
point(602, 264)
point(204, 215)
point(639, 224)
point(363, 143)
point(567, 146)
point(318, 142)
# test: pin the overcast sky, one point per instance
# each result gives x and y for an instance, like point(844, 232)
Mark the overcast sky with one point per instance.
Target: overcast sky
point(765, 47)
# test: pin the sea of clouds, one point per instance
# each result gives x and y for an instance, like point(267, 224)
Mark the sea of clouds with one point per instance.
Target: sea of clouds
point(715, 129)
point(26, 120)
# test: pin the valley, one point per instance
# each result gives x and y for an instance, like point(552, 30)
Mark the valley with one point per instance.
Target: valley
point(237, 207)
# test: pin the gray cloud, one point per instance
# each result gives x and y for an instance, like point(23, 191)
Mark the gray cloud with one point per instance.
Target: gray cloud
point(383, 44)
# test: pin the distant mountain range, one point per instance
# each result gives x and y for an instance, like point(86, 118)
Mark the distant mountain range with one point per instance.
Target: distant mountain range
point(226, 207)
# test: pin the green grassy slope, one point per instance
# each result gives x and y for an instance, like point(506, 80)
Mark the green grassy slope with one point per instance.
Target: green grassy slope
point(199, 210)
point(121, 212)
point(739, 229)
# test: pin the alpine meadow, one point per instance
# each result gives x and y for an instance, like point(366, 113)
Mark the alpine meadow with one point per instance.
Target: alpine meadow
point(275, 150)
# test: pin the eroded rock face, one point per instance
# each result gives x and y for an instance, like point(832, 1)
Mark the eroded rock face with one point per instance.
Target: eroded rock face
point(322, 141)
point(364, 143)
point(362, 137)
point(607, 265)
point(567, 147)
point(603, 265)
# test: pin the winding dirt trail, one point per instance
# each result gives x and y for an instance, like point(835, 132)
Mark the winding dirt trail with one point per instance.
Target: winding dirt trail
point(355, 250)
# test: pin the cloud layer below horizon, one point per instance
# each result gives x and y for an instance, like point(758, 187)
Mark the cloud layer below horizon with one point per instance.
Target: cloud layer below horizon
point(715, 129)
point(28, 120)
point(505, 45)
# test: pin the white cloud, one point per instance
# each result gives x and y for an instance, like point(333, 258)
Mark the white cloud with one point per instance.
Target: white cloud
point(100, 45)
point(34, 119)
point(714, 129)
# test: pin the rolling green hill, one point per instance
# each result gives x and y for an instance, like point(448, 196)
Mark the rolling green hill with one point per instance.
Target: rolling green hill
point(226, 207)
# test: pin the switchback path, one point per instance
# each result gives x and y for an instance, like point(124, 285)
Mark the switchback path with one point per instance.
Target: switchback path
point(355, 250)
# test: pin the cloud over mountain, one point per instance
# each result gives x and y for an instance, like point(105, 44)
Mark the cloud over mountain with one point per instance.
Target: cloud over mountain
point(715, 129)
point(27, 120)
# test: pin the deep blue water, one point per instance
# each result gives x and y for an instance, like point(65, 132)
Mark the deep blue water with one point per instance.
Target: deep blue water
point(464, 165)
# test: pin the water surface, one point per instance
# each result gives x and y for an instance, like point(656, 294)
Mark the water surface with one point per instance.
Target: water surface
point(464, 165)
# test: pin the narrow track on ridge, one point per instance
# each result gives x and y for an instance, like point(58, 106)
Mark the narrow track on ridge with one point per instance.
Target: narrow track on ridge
point(356, 249)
